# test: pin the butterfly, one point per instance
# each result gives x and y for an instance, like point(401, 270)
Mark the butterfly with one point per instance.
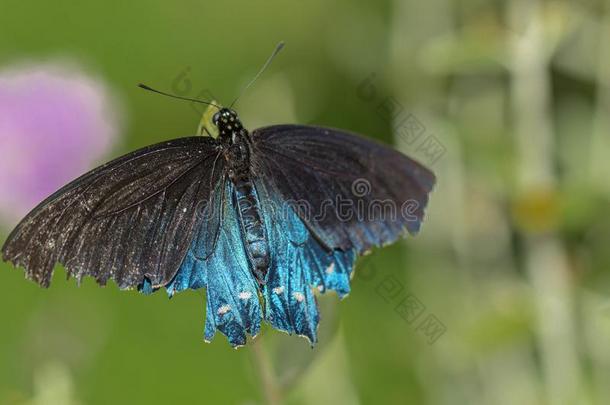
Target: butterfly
point(261, 219)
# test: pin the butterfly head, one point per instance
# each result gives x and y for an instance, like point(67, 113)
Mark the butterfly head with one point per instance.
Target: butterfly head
point(227, 122)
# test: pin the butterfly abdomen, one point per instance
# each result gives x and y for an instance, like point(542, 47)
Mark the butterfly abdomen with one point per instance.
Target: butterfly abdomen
point(253, 229)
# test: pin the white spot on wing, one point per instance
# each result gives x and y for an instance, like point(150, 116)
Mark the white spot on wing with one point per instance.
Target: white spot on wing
point(224, 309)
point(278, 290)
point(244, 295)
point(298, 296)
point(330, 269)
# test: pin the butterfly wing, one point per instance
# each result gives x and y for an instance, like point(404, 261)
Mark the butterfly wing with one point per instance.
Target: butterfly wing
point(352, 193)
point(319, 191)
point(232, 301)
point(298, 263)
point(130, 220)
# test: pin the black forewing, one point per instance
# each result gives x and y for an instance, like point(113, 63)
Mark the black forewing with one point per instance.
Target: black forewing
point(129, 220)
point(330, 169)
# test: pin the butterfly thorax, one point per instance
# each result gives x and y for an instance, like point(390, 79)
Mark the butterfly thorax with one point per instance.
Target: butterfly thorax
point(237, 156)
point(234, 139)
point(236, 150)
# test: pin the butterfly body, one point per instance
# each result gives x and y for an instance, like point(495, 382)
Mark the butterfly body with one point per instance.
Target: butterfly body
point(274, 230)
point(252, 226)
point(235, 142)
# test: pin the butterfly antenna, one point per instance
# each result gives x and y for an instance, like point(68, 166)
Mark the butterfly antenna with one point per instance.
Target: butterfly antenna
point(145, 87)
point(277, 50)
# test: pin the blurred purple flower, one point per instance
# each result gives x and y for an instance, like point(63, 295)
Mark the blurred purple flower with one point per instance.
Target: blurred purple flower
point(55, 123)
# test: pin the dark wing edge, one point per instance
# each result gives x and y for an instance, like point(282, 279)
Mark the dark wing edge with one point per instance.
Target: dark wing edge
point(130, 220)
point(323, 168)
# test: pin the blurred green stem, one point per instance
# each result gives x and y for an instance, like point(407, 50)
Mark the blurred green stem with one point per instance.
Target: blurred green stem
point(271, 388)
point(600, 171)
point(600, 144)
point(546, 260)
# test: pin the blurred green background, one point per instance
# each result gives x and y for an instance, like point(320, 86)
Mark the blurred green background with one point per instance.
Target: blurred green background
point(513, 98)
